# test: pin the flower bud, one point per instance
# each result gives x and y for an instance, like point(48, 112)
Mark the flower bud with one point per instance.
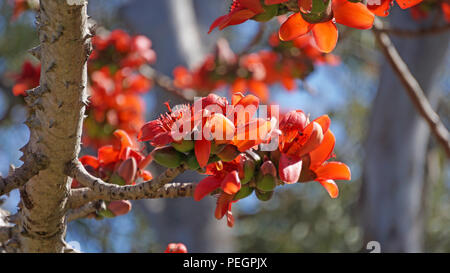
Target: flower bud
point(269, 12)
point(119, 207)
point(229, 153)
point(269, 168)
point(191, 162)
point(106, 213)
point(320, 12)
point(127, 170)
point(266, 183)
point(249, 167)
point(264, 196)
point(183, 146)
point(168, 157)
point(253, 156)
point(217, 148)
point(243, 192)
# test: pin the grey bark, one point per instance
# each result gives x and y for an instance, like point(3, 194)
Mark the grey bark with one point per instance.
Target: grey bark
point(394, 187)
point(56, 111)
point(178, 30)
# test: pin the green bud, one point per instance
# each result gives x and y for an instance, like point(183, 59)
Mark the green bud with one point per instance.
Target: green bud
point(266, 183)
point(213, 158)
point(217, 148)
point(191, 162)
point(243, 192)
point(249, 170)
point(269, 12)
point(264, 196)
point(116, 179)
point(168, 157)
point(106, 213)
point(229, 153)
point(184, 146)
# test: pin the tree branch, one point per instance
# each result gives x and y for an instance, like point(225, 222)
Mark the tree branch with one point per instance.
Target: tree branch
point(258, 36)
point(83, 211)
point(21, 175)
point(105, 191)
point(166, 83)
point(412, 87)
point(415, 33)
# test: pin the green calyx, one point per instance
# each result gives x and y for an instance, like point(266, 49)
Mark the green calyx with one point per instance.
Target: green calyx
point(266, 183)
point(320, 12)
point(243, 192)
point(168, 157)
point(184, 146)
point(269, 12)
point(264, 196)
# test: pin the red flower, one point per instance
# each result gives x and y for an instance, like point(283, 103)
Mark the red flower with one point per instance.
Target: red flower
point(232, 124)
point(317, 168)
point(240, 11)
point(121, 158)
point(229, 184)
point(381, 7)
point(299, 137)
point(176, 248)
point(325, 33)
point(27, 79)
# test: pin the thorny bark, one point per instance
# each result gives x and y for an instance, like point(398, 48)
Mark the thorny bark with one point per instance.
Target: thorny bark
point(56, 111)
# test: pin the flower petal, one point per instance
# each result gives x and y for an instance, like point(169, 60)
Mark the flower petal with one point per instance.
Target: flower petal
point(202, 151)
point(205, 187)
point(231, 184)
point(293, 27)
point(323, 152)
point(333, 170)
point(331, 187)
point(289, 168)
point(325, 35)
point(355, 15)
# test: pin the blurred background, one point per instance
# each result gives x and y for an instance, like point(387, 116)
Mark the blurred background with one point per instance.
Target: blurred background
point(399, 194)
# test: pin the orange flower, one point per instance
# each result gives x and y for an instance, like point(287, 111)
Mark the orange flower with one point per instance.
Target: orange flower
point(325, 33)
point(381, 7)
point(299, 137)
point(121, 158)
point(176, 248)
point(27, 79)
point(240, 11)
point(317, 168)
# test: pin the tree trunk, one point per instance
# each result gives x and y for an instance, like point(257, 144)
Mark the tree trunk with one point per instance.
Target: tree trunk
point(178, 30)
point(56, 111)
point(394, 186)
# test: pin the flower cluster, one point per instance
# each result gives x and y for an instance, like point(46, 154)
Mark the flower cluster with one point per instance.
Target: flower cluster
point(318, 17)
point(116, 85)
point(209, 131)
point(304, 149)
point(120, 163)
point(228, 152)
point(283, 63)
point(422, 10)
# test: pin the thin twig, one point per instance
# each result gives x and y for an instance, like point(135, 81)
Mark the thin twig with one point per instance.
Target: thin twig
point(105, 191)
point(84, 210)
point(417, 32)
point(258, 36)
point(412, 87)
point(166, 83)
point(21, 175)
